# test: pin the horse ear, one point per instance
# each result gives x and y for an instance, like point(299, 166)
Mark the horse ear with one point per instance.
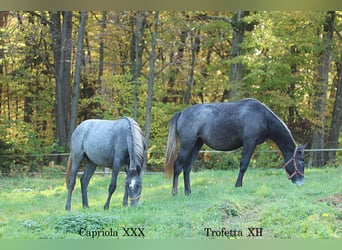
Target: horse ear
point(302, 147)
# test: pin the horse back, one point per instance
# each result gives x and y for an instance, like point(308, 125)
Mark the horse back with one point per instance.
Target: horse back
point(232, 114)
point(224, 125)
point(99, 131)
point(100, 139)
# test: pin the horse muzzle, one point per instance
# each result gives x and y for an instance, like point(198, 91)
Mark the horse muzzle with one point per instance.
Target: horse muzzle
point(135, 200)
point(298, 181)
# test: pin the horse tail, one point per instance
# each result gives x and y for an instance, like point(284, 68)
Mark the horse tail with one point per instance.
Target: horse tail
point(136, 145)
point(171, 147)
point(68, 172)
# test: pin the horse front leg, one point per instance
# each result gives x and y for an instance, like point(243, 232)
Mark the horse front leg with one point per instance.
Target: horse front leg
point(112, 186)
point(247, 152)
point(88, 173)
point(125, 198)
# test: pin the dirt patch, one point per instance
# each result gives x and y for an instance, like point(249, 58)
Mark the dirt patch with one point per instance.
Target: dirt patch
point(332, 201)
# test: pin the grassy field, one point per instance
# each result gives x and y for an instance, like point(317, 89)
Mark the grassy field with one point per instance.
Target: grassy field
point(268, 206)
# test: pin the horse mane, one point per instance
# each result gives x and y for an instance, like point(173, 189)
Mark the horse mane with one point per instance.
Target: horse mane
point(136, 145)
point(280, 123)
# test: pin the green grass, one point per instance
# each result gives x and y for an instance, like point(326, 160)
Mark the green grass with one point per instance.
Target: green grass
point(33, 208)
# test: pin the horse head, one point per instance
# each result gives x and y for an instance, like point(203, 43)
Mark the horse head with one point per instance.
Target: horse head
point(133, 186)
point(294, 167)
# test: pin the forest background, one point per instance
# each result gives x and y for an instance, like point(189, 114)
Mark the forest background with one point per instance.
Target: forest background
point(58, 68)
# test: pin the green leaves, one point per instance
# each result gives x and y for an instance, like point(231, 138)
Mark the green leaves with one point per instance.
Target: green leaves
point(279, 59)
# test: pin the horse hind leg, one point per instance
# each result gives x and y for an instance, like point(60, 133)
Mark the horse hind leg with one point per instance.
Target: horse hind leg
point(88, 173)
point(179, 166)
point(186, 157)
point(177, 170)
point(188, 165)
point(75, 165)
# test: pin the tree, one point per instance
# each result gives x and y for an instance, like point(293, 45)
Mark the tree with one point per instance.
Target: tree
point(176, 62)
point(149, 66)
point(137, 47)
point(320, 101)
point(101, 49)
point(151, 83)
point(3, 23)
point(336, 122)
point(77, 75)
point(237, 68)
point(195, 46)
point(61, 33)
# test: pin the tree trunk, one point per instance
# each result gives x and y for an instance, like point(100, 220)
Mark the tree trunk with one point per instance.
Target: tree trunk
point(336, 122)
point(77, 75)
point(3, 23)
point(317, 157)
point(137, 47)
point(150, 85)
point(237, 69)
point(101, 50)
point(62, 47)
point(291, 90)
point(176, 62)
point(195, 44)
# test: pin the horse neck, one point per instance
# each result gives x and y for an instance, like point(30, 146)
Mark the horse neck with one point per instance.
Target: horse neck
point(282, 136)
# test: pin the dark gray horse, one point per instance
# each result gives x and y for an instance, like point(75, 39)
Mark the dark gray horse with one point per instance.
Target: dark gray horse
point(107, 143)
point(228, 126)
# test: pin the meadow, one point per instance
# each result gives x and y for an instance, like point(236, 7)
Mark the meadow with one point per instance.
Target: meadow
point(268, 206)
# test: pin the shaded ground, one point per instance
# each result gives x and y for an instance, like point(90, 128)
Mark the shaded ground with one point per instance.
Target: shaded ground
point(334, 201)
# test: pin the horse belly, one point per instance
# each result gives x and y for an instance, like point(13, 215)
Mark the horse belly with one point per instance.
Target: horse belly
point(223, 142)
point(99, 154)
point(102, 148)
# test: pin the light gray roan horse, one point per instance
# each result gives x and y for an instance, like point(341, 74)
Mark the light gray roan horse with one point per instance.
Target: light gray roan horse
point(107, 143)
point(225, 127)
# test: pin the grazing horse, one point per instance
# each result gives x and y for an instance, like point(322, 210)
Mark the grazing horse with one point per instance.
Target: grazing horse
point(225, 127)
point(107, 143)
